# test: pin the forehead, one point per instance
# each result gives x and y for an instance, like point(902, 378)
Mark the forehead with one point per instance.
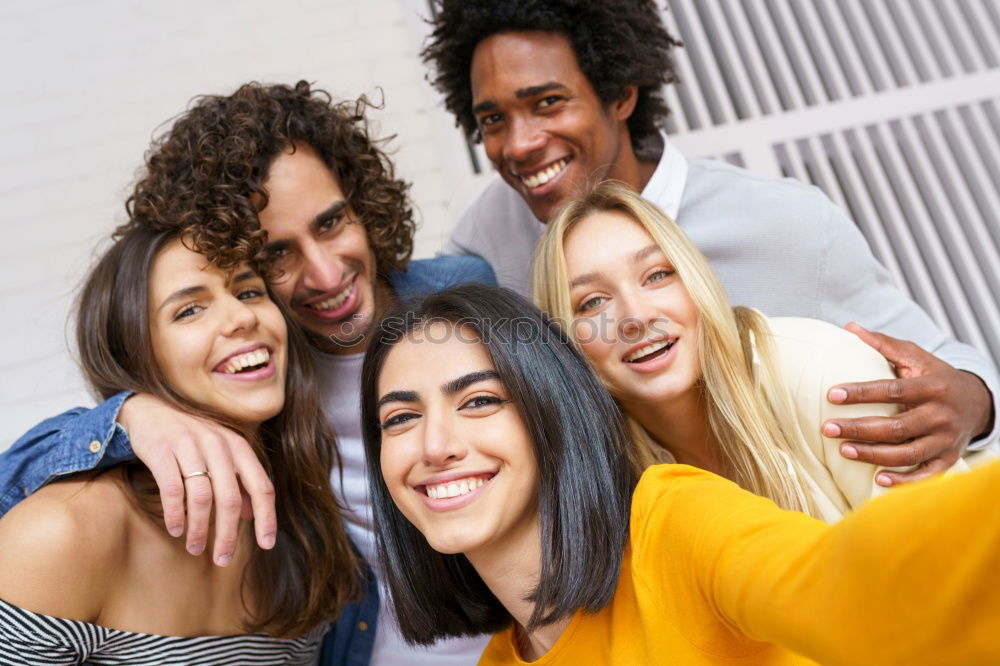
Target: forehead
point(430, 356)
point(299, 187)
point(510, 61)
point(603, 236)
point(177, 267)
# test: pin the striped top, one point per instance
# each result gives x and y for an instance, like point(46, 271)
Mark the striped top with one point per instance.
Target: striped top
point(29, 638)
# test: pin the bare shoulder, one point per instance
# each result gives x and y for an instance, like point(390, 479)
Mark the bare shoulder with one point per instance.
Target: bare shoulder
point(59, 546)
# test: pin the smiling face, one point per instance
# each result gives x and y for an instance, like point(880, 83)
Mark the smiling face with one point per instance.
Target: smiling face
point(217, 338)
point(456, 456)
point(633, 317)
point(327, 267)
point(543, 126)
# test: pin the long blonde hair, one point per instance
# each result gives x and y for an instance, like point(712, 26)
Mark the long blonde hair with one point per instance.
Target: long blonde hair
point(750, 410)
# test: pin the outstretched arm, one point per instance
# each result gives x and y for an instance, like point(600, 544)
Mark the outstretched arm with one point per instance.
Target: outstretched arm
point(882, 586)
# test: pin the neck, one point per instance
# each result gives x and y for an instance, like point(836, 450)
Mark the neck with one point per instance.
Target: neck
point(511, 570)
point(629, 168)
point(681, 426)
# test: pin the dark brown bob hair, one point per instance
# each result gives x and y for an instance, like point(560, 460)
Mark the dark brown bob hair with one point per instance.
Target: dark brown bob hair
point(206, 173)
point(311, 572)
point(585, 479)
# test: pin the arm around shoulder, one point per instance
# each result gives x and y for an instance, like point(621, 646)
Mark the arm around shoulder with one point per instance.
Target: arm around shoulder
point(75, 441)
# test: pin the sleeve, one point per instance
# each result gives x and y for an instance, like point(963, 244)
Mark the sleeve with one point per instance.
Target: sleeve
point(881, 586)
point(857, 288)
point(75, 441)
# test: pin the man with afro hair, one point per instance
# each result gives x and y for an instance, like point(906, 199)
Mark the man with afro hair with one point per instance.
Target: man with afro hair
point(566, 93)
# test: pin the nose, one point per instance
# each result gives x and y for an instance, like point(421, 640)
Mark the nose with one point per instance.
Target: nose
point(321, 272)
point(238, 317)
point(636, 315)
point(442, 445)
point(524, 140)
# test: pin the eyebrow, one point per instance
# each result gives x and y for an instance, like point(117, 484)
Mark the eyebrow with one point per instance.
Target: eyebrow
point(182, 294)
point(456, 385)
point(520, 93)
point(449, 388)
point(637, 257)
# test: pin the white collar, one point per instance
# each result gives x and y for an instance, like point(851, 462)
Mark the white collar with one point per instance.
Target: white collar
point(666, 185)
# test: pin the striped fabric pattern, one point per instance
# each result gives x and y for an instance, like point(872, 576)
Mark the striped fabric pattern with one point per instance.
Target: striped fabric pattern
point(28, 638)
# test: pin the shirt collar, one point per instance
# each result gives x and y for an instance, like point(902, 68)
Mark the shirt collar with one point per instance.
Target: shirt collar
point(666, 185)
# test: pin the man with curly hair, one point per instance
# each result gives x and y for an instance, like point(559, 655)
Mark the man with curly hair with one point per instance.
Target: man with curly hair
point(566, 93)
point(287, 163)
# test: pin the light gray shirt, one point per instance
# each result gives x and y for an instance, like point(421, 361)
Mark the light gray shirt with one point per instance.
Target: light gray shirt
point(776, 244)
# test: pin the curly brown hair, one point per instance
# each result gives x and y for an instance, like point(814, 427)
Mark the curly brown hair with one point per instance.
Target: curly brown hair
point(206, 174)
point(616, 44)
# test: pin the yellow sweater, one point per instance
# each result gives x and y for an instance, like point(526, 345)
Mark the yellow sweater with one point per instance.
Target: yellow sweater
point(716, 575)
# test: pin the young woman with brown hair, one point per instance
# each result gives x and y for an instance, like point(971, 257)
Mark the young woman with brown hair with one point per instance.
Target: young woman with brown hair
point(87, 570)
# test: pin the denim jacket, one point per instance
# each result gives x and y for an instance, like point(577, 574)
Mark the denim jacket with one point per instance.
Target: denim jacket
point(84, 439)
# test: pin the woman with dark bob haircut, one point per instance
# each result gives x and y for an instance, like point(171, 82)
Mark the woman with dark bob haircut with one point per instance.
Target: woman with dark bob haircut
point(87, 571)
point(505, 502)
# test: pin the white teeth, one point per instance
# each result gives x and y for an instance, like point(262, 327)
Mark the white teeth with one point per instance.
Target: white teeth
point(454, 488)
point(545, 176)
point(335, 302)
point(648, 349)
point(256, 357)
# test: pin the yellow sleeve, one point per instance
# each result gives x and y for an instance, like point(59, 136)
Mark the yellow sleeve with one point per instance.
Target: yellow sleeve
point(908, 578)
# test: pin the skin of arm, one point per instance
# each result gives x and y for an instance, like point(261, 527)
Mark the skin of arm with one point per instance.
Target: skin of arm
point(59, 548)
point(881, 586)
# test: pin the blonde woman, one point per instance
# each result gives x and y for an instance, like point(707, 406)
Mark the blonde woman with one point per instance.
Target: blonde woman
point(702, 383)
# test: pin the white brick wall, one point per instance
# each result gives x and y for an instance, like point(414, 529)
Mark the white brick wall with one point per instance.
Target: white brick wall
point(86, 84)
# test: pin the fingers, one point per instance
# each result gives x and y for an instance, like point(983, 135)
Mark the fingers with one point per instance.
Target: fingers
point(257, 485)
point(892, 429)
point(226, 495)
point(910, 359)
point(926, 470)
point(899, 391)
point(909, 454)
point(168, 478)
point(198, 493)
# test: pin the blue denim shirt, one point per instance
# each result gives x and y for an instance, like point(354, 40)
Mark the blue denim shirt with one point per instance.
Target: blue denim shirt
point(83, 439)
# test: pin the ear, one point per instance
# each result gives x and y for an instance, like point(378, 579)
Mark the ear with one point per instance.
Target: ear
point(623, 107)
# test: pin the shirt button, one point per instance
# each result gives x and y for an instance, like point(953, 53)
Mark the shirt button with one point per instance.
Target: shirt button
point(363, 626)
point(95, 446)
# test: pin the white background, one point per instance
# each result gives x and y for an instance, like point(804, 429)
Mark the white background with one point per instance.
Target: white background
point(86, 85)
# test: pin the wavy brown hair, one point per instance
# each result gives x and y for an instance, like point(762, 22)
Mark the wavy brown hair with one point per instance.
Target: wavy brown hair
point(311, 572)
point(206, 174)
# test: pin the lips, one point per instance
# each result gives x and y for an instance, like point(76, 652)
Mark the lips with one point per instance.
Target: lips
point(649, 351)
point(247, 356)
point(334, 306)
point(538, 178)
point(454, 490)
